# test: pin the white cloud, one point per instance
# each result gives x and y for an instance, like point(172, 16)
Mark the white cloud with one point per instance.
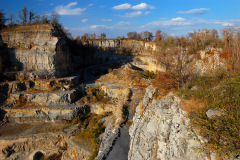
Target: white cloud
point(99, 27)
point(178, 19)
point(124, 6)
point(112, 31)
point(106, 20)
point(123, 24)
point(147, 12)
point(84, 20)
point(182, 22)
point(142, 6)
point(195, 11)
point(68, 10)
point(127, 6)
point(227, 24)
point(90, 5)
point(131, 14)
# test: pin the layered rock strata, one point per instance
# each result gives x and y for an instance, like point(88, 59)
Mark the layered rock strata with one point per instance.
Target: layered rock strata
point(37, 48)
point(161, 130)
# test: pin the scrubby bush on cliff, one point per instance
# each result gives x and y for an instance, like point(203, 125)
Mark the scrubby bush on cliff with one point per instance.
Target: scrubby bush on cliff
point(97, 95)
point(91, 128)
point(124, 51)
point(149, 74)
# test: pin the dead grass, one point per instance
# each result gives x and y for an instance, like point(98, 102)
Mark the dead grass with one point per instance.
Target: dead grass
point(28, 28)
point(13, 129)
point(127, 76)
point(17, 129)
point(192, 105)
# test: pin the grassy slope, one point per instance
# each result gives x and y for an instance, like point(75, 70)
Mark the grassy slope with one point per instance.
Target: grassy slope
point(221, 92)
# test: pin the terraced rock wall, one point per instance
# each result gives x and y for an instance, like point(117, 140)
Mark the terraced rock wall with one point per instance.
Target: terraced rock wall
point(37, 48)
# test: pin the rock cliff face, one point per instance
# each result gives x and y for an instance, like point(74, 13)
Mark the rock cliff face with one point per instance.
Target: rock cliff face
point(37, 48)
point(135, 45)
point(212, 61)
point(160, 131)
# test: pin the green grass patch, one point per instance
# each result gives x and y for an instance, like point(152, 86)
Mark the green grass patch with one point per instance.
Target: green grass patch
point(221, 92)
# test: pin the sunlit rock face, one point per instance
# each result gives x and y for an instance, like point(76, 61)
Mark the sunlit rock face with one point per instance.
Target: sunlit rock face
point(160, 130)
point(37, 48)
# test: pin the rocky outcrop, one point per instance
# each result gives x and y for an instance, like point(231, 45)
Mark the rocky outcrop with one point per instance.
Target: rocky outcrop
point(212, 61)
point(42, 114)
point(37, 48)
point(148, 63)
point(41, 146)
point(160, 130)
point(136, 46)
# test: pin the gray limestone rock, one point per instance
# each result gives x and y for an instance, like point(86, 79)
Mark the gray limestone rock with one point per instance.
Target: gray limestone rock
point(160, 130)
point(40, 48)
point(214, 113)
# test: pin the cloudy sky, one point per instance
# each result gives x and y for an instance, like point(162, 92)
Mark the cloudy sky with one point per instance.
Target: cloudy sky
point(118, 17)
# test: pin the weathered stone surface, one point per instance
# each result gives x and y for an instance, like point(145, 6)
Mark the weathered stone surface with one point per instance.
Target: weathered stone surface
point(210, 63)
point(160, 131)
point(45, 98)
point(135, 45)
point(110, 135)
point(214, 113)
point(44, 146)
point(44, 114)
point(114, 91)
point(149, 63)
point(38, 48)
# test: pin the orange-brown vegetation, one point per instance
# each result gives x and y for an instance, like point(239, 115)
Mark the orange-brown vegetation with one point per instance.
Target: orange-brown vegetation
point(142, 110)
point(190, 105)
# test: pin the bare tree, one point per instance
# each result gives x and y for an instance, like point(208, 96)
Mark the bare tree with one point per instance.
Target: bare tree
point(103, 36)
point(132, 35)
point(93, 36)
point(158, 35)
point(2, 19)
point(147, 36)
point(55, 18)
point(32, 16)
point(11, 19)
point(23, 13)
point(44, 19)
point(231, 40)
point(37, 20)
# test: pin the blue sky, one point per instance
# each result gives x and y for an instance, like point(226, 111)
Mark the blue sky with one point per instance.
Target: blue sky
point(118, 17)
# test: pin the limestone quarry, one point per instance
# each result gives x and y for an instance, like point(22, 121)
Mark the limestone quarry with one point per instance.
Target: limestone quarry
point(54, 96)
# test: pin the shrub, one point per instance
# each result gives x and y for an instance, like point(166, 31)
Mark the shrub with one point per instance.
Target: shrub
point(165, 81)
point(125, 51)
point(92, 127)
point(149, 74)
point(97, 95)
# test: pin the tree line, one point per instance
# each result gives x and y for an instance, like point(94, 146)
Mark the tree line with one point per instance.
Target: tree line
point(28, 17)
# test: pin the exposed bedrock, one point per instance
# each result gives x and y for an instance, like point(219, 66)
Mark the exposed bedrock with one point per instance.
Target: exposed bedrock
point(160, 130)
point(45, 114)
point(37, 48)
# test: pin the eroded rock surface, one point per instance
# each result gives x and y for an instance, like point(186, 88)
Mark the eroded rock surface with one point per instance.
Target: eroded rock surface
point(160, 130)
point(38, 48)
